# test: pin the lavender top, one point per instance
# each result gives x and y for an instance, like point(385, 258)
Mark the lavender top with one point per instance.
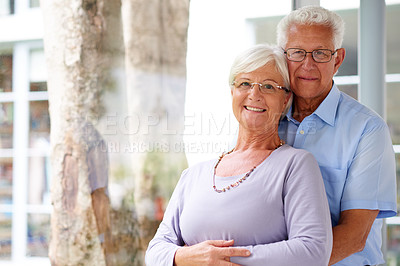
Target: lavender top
point(280, 213)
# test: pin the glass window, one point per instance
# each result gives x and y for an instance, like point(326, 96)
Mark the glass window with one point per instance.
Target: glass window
point(39, 176)
point(6, 169)
point(393, 245)
point(6, 125)
point(37, 70)
point(393, 111)
point(6, 7)
point(34, 3)
point(39, 123)
point(5, 236)
point(349, 89)
point(392, 33)
point(38, 235)
point(5, 73)
point(38, 86)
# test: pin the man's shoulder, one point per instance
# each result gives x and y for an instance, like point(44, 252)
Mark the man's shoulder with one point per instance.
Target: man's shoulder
point(351, 111)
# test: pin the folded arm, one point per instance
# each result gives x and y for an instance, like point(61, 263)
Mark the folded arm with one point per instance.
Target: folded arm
point(350, 235)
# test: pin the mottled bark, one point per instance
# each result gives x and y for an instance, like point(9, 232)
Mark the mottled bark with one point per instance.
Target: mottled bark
point(83, 41)
point(80, 223)
point(155, 37)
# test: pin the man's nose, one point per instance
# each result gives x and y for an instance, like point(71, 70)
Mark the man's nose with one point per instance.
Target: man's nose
point(308, 61)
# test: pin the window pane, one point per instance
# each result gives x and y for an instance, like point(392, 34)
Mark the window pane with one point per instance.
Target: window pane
point(38, 235)
point(37, 66)
point(6, 7)
point(398, 180)
point(39, 178)
point(5, 73)
point(6, 169)
point(349, 66)
point(393, 244)
point(38, 86)
point(5, 236)
point(39, 125)
point(6, 125)
point(34, 3)
point(393, 38)
point(393, 111)
point(349, 90)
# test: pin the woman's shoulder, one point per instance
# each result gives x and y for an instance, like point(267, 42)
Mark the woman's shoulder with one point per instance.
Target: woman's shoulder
point(295, 156)
point(199, 167)
point(288, 151)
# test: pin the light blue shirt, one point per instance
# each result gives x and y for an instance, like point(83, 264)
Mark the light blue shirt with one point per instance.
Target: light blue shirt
point(354, 151)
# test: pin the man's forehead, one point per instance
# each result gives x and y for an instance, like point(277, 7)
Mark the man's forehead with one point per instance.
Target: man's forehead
point(315, 36)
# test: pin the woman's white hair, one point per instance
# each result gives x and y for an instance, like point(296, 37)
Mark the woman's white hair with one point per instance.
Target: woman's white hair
point(312, 15)
point(258, 56)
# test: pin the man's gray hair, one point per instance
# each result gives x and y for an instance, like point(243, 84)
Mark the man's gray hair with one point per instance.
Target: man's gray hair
point(312, 15)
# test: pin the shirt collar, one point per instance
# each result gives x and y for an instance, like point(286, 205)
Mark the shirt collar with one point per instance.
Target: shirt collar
point(326, 110)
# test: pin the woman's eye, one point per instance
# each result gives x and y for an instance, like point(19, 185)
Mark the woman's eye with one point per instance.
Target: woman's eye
point(245, 84)
point(268, 86)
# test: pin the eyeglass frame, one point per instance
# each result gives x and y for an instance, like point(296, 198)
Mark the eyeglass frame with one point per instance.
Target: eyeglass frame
point(260, 85)
point(312, 54)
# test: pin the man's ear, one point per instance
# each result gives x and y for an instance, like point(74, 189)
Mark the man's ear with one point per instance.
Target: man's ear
point(339, 58)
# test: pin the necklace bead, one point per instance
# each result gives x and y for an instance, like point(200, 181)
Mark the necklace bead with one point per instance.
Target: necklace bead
point(240, 180)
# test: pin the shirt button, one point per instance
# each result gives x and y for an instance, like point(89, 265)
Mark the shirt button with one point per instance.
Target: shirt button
point(301, 132)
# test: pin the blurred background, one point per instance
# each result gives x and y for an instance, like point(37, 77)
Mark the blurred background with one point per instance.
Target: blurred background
point(218, 30)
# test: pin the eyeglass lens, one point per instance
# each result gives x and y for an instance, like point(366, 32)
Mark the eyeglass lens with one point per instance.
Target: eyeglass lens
point(319, 55)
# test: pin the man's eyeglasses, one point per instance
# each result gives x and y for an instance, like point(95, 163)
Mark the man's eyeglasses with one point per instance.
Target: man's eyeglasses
point(265, 88)
point(319, 55)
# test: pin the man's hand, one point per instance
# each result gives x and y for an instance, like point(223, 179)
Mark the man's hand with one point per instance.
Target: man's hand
point(351, 233)
point(210, 252)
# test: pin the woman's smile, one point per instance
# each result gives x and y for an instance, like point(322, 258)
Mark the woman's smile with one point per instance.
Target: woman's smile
point(254, 109)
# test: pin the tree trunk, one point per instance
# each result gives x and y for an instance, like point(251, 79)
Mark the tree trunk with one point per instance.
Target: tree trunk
point(80, 223)
point(155, 37)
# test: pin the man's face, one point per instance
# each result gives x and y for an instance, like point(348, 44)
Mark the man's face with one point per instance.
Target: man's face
point(309, 80)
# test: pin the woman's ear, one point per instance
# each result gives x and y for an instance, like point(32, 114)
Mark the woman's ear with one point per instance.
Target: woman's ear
point(288, 102)
point(287, 97)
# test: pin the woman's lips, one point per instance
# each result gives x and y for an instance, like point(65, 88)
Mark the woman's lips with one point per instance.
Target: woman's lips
point(255, 109)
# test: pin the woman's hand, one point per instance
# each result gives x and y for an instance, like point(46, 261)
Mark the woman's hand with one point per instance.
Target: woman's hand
point(210, 252)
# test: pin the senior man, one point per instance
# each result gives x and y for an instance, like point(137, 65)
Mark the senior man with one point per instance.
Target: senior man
point(351, 143)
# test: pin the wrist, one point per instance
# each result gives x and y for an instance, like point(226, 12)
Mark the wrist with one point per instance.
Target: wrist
point(178, 256)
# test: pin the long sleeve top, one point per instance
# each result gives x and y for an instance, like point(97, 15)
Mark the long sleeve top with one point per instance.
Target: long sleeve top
point(280, 213)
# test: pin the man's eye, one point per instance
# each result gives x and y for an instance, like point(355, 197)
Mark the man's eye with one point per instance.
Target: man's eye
point(298, 52)
point(319, 53)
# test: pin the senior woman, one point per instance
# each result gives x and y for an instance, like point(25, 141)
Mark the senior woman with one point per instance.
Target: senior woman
point(262, 203)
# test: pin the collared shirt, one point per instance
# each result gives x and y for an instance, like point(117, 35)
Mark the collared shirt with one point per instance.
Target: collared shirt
point(354, 151)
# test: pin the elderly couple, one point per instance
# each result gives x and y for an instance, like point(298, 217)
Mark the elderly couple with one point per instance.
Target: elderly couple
point(265, 202)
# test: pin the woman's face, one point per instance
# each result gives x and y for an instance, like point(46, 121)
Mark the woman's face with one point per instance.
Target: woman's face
point(255, 110)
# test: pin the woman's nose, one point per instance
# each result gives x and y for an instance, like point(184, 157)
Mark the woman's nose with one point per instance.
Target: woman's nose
point(255, 93)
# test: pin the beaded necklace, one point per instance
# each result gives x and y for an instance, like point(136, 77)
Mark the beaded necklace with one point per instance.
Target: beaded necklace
point(240, 180)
